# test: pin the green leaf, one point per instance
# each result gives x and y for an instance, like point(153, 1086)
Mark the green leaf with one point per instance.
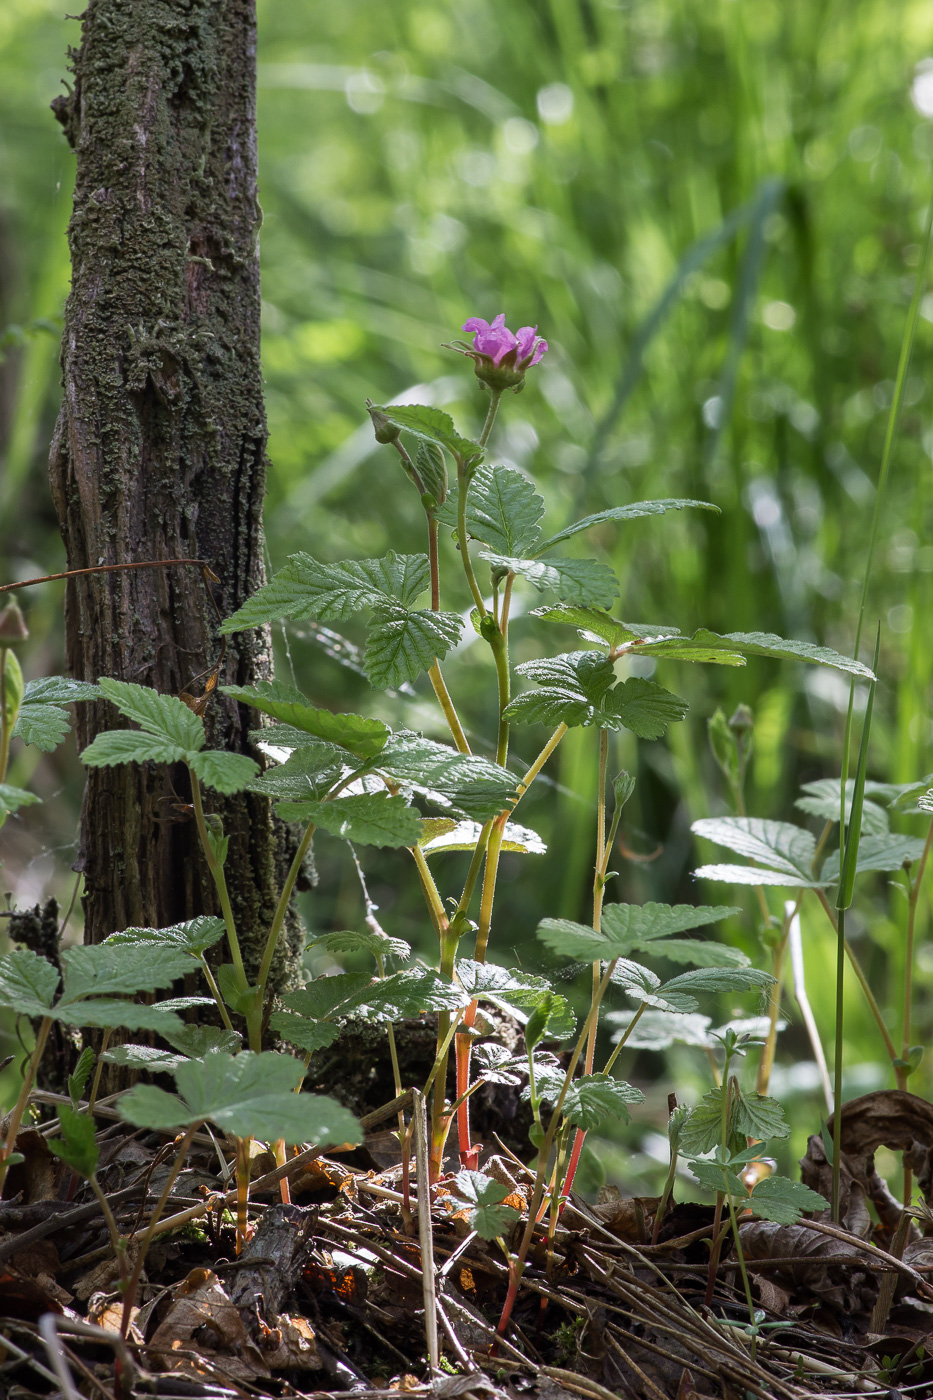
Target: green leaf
point(406, 994)
point(194, 936)
point(432, 469)
point(502, 511)
point(701, 952)
point(144, 1057)
point(109, 1014)
point(821, 799)
point(782, 1200)
point(717, 979)
point(584, 581)
point(333, 592)
point(28, 983)
point(496, 1064)
point(633, 512)
point(759, 1116)
point(42, 720)
point(362, 737)
point(891, 852)
point(12, 798)
point(77, 1080)
point(431, 425)
point(77, 1145)
point(349, 941)
point(533, 993)
point(306, 1035)
point(326, 995)
point(483, 980)
point(247, 1095)
point(716, 1177)
point(593, 1098)
point(240, 999)
point(572, 687)
point(597, 626)
point(195, 1041)
point(445, 834)
point(401, 644)
point(788, 851)
point(164, 715)
point(645, 986)
point(643, 707)
point(702, 1130)
point(105, 969)
point(130, 746)
point(627, 928)
point(366, 818)
point(224, 772)
point(659, 1030)
point(473, 785)
point(484, 1198)
point(307, 773)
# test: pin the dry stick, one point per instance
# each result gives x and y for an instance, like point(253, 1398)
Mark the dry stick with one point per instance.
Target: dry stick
point(803, 1001)
point(112, 568)
point(425, 1232)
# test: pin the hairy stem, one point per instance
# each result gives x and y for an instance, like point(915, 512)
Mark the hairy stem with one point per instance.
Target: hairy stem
point(220, 883)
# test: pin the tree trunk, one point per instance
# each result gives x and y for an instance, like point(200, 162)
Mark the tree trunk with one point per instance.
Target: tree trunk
point(159, 450)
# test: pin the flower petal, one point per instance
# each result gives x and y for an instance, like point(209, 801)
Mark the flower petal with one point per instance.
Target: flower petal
point(476, 323)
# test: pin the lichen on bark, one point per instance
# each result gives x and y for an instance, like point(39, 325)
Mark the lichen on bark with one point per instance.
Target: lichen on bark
point(159, 450)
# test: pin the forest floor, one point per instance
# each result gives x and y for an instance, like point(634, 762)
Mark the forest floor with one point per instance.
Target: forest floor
point(331, 1293)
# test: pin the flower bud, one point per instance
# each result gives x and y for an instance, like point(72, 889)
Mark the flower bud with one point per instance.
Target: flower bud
point(385, 431)
point(623, 785)
point(13, 627)
point(13, 687)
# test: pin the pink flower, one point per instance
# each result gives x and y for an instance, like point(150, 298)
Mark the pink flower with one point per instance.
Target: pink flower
point(500, 356)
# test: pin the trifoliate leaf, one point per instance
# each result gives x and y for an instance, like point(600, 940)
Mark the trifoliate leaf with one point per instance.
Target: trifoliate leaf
point(645, 986)
point(632, 512)
point(28, 983)
point(366, 818)
point(194, 936)
point(130, 746)
point(326, 995)
point(247, 1095)
point(362, 737)
point(400, 644)
point(503, 510)
point(224, 772)
point(77, 1145)
point(164, 715)
point(784, 853)
point(350, 941)
point(643, 707)
point(484, 1198)
point(444, 834)
point(779, 1199)
point(306, 1035)
point(821, 799)
point(627, 928)
point(584, 581)
point(333, 592)
point(431, 425)
point(571, 688)
point(406, 994)
point(105, 969)
point(473, 785)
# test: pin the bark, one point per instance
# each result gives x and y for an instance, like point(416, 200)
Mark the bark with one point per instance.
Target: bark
point(159, 450)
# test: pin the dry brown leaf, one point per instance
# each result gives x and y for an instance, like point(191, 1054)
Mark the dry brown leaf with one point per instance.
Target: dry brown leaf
point(847, 1288)
point(292, 1345)
point(203, 1320)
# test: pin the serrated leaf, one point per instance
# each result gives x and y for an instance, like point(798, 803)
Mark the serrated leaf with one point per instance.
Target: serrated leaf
point(326, 995)
point(12, 798)
point(658, 1030)
point(502, 511)
point(164, 715)
point(432, 470)
point(100, 970)
point(194, 936)
point(489, 1216)
point(632, 512)
point(306, 774)
point(643, 707)
point(716, 979)
point(701, 952)
point(584, 581)
point(144, 1057)
point(756, 875)
point(497, 1064)
point(644, 985)
point(593, 1098)
point(350, 941)
point(777, 845)
point(285, 736)
point(702, 1130)
point(759, 1116)
point(821, 799)
point(28, 983)
point(195, 1041)
point(597, 625)
point(431, 425)
point(628, 927)
point(717, 1178)
point(779, 1199)
point(248, 1095)
point(473, 785)
point(77, 1080)
point(571, 688)
point(360, 736)
point(109, 1014)
point(485, 979)
point(306, 1035)
point(523, 1001)
point(240, 999)
point(888, 852)
point(42, 721)
point(445, 834)
point(400, 644)
point(116, 746)
point(306, 588)
point(77, 1145)
point(366, 818)
point(224, 772)
point(406, 994)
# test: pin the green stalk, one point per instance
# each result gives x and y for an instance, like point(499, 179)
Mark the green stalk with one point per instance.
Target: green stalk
point(909, 951)
point(281, 909)
point(215, 993)
point(5, 735)
point(220, 882)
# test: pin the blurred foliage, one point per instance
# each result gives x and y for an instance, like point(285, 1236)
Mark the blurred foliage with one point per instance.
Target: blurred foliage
point(713, 213)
